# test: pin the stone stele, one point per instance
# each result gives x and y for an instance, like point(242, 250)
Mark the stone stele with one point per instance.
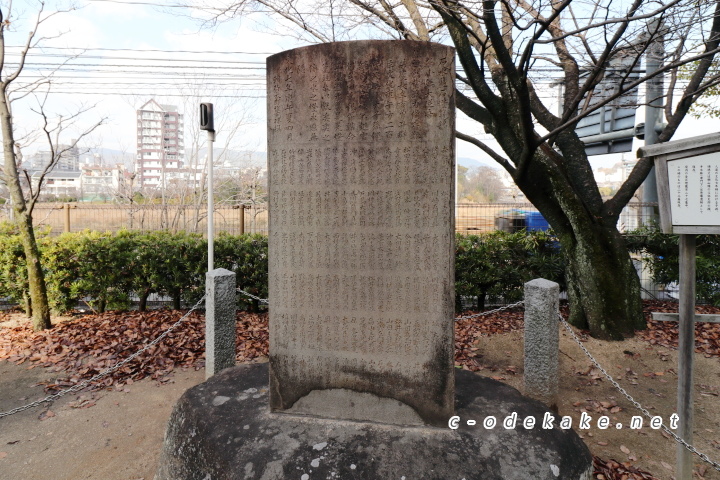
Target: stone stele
point(361, 248)
point(361, 293)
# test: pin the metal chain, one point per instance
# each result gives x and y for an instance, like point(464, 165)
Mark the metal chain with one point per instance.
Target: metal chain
point(704, 457)
point(85, 383)
point(261, 300)
point(490, 312)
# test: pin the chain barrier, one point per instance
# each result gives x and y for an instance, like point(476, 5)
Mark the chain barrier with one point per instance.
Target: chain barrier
point(692, 449)
point(120, 364)
point(490, 312)
point(457, 319)
point(261, 300)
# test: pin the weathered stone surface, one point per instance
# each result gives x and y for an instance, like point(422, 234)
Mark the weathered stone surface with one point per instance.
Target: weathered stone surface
point(541, 340)
point(361, 273)
point(223, 430)
point(220, 305)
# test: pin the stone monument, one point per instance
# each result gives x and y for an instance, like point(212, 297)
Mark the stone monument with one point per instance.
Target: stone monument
point(361, 373)
point(361, 247)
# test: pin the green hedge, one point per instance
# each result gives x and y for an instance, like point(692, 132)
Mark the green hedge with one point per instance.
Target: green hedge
point(498, 264)
point(13, 272)
point(106, 269)
point(663, 260)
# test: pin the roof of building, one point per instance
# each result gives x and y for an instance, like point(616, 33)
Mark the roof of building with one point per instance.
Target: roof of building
point(56, 173)
point(154, 106)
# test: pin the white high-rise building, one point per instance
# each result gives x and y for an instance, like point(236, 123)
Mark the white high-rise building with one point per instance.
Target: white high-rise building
point(160, 144)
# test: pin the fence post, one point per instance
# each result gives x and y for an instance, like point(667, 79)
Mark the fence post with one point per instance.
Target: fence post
point(220, 307)
point(242, 219)
point(66, 207)
point(686, 350)
point(542, 340)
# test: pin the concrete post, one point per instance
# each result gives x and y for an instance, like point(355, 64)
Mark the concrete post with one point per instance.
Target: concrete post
point(219, 321)
point(541, 340)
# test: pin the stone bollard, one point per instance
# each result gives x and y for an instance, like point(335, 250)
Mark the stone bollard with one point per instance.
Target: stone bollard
point(542, 340)
point(219, 321)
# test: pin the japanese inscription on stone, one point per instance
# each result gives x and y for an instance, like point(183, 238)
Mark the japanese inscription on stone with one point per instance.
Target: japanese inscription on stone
point(695, 190)
point(361, 159)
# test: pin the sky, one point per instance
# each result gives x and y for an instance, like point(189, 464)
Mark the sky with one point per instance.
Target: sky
point(132, 51)
point(107, 33)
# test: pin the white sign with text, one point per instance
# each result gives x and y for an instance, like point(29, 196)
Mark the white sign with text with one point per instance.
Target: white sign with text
point(695, 190)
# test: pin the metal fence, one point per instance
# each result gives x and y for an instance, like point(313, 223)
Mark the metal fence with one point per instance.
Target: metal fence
point(488, 217)
point(76, 217)
point(469, 217)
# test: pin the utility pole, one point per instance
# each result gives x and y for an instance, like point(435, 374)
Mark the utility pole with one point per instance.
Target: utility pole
point(653, 112)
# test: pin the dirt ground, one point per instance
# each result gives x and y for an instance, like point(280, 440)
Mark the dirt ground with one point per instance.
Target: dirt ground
point(647, 372)
point(117, 435)
point(117, 438)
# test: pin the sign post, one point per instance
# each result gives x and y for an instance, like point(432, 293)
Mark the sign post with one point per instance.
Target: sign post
point(688, 182)
point(207, 123)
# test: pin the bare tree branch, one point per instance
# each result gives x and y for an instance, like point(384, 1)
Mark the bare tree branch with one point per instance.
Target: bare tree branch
point(482, 146)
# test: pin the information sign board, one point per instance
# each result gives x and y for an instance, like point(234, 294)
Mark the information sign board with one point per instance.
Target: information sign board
point(688, 179)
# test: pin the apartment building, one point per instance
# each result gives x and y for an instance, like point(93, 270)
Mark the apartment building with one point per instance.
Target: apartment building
point(69, 160)
point(160, 145)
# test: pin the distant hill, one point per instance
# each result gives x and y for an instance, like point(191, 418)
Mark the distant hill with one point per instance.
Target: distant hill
point(474, 163)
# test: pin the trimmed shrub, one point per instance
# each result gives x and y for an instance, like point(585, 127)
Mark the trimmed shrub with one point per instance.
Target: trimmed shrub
point(106, 269)
point(498, 264)
point(247, 256)
point(13, 270)
point(664, 262)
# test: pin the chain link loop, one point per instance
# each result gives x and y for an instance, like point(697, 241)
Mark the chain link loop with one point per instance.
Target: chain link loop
point(692, 449)
point(490, 312)
point(261, 300)
point(122, 363)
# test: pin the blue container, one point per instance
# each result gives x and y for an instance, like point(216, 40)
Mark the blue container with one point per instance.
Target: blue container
point(535, 221)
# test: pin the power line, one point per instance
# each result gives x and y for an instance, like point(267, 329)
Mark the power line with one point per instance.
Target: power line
point(222, 11)
point(163, 95)
point(140, 3)
point(119, 65)
point(143, 59)
point(148, 50)
point(131, 84)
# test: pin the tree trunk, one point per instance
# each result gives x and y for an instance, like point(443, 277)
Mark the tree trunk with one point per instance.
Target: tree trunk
point(28, 304)
point(142, 305)
point(176, 300)
point(36, 278)
point(603, 285)
point(481, 300)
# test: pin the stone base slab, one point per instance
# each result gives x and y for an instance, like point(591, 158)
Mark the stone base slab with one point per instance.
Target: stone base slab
point(222, 429)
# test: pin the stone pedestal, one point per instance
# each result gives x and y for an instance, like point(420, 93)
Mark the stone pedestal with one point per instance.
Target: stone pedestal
point(223, 430)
